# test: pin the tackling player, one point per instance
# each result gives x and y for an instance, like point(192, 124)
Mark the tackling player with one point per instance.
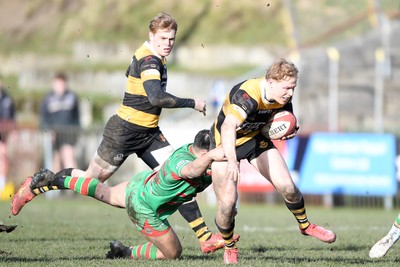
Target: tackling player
point(150, 197)
point(134, 128)
point(246, 108)
point(382, 246)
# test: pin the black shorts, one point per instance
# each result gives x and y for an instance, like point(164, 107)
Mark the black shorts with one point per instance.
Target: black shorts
point(254, 147)
point(120, 141)
point(251, 149)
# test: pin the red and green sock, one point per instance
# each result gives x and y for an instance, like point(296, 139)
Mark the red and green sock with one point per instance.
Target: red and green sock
point(146, 251)
point(84, 186)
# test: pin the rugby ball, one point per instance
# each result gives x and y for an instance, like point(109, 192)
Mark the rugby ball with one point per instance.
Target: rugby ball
point(282, 124)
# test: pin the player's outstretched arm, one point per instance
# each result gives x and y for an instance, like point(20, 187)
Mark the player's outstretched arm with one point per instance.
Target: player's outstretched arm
point(197, 167)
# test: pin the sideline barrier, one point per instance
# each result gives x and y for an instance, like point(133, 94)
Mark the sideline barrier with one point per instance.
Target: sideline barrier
point(359, 164)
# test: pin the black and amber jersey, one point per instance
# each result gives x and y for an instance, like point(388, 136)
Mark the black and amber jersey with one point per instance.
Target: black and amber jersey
point(135, 107)
point(246, 101)
point(145, 93)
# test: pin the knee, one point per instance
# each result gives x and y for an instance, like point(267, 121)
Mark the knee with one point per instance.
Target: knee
point(174, 254)
point(291, 194)
point(227, 204)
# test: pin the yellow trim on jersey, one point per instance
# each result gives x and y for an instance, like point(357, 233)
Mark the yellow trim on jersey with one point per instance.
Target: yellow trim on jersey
point(151, 74)
point(235, 110)
point(140, 118)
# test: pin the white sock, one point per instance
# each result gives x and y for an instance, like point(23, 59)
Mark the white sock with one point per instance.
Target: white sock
point(395, 232)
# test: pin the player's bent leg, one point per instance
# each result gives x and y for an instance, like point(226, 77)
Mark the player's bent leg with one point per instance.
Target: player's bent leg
point(226, 193)
point(162, 245)
point(167, 244)
point(45, 180)
point(209, 242)
point(98, 168)
point(114, 196)
point(277, 173)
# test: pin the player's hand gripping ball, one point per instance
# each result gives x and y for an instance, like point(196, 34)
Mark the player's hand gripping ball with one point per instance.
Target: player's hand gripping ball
point(282, 124)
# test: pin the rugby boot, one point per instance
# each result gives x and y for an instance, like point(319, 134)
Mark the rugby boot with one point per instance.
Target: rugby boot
point(382, 246)
point(320, 233)
point(23, 196)
point(31, 187)
point(118, 250)
point(231, 256)
point(215, 242)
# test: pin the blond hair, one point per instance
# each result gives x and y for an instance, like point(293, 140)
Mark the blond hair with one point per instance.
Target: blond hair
point(161, 22)
point(281, 69)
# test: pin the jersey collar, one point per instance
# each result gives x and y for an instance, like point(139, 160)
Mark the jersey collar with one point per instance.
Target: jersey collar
point(263, 89)
point(148, 45)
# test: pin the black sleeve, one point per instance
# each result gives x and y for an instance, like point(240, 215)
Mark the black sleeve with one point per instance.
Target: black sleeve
point(242, 99)
point(159, 98)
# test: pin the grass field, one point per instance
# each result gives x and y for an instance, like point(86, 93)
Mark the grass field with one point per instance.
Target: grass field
point(77, 231)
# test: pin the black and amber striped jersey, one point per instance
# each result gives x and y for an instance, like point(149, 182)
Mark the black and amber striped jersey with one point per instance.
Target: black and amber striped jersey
point(145, 93)
point(135, 107)
point(247, 102)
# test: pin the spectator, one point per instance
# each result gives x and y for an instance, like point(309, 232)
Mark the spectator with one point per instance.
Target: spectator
point(59, 114)
point(7, 125)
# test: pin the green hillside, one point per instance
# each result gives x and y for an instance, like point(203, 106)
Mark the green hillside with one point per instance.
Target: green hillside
point(46, 26)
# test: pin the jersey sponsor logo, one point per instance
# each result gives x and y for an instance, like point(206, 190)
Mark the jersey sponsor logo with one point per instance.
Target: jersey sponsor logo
point(163, 138)
point(182, 162)
point(263, 111)
point(149, 231)
point(249, 127)
point(263, 144)
point(246, 96)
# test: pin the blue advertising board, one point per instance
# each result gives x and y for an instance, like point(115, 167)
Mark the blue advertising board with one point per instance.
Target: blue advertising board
point(349, 163)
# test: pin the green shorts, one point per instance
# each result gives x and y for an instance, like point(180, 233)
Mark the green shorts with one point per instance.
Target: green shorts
point(146, 220)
